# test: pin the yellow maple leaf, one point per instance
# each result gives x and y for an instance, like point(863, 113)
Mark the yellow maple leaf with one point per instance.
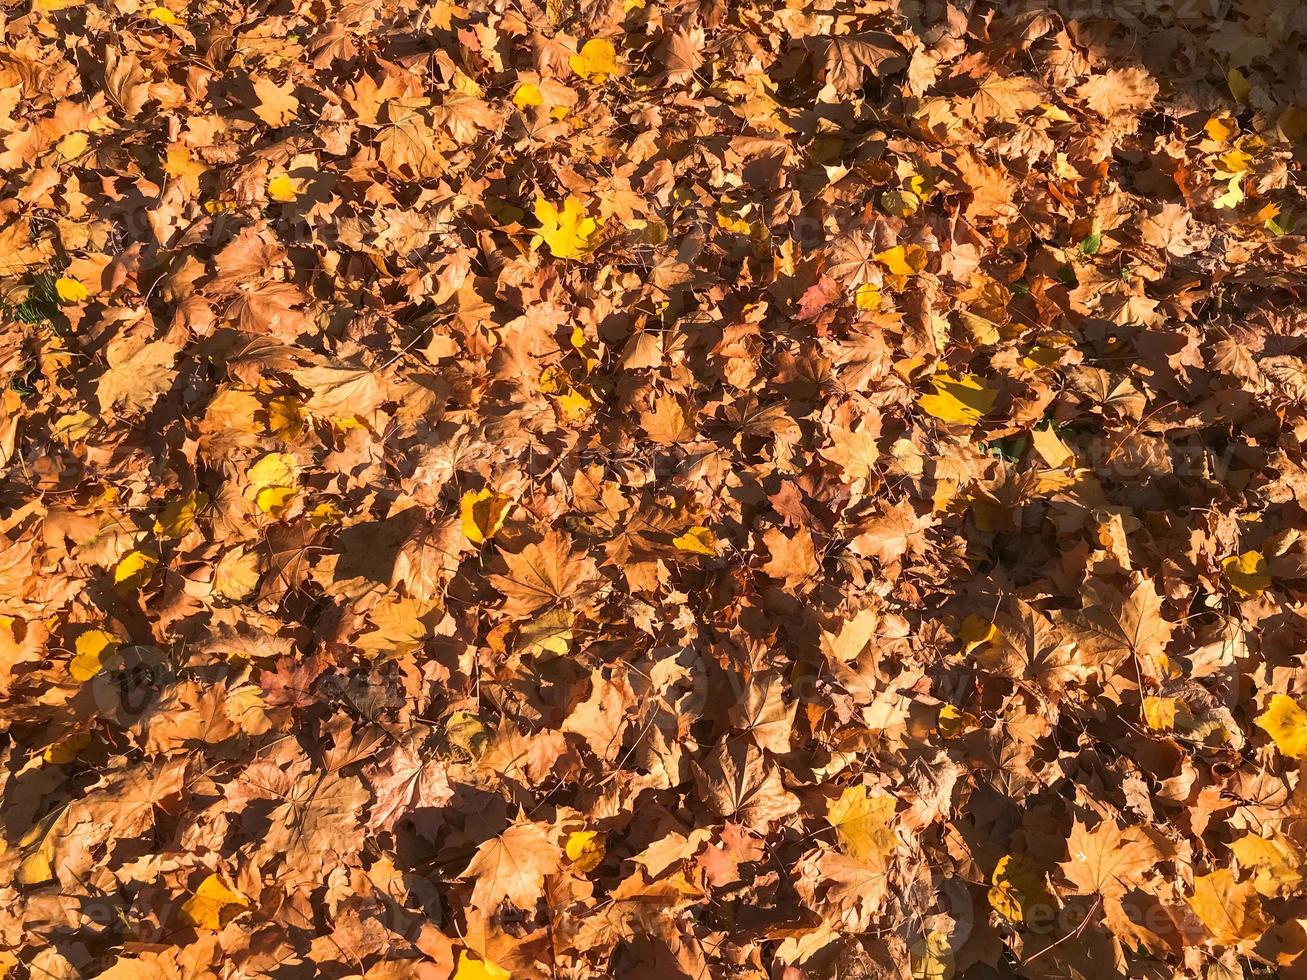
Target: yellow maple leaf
point(163, 15)
point(285, 417)
point(976, 632)
point(133, 570)
point(272, 481)
point(214, 904)
point(483, 512)
point(1220, 129)
point(573, 405)
point(528, 95)
point(1247, 573)
point(585, 849)
point(273, 470)
point(1286, 722)
point(93, 649)
point(1159, 713)
point(1276, 863)
point(596, 61)
point(867, 297)
point(67, 749)
point(1018, 886)
point(698, 540)
point(70, 291)
point(931, 957)
point(566, 232)
point(903, 260)
point(475, 969)
point(863, 822)
point(283, 189)
point(1231, 912)
point(276, 502)
point(958, 400)
point(178, 516)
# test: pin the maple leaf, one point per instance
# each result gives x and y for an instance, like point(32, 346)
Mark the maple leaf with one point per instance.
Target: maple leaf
point(406, 786)
point(1247, 573)
point(214, 904)
point(958, 399)
point(1113, 626)
point(513, 866)
point(793, 557)
point(483, 513)
point(472, 968)
point(1286, 722)
point(276, 105)
point(70, 290)
point(545, 574)
point(585, 850)
point(1276, 863)
point(738, 783)
point(697, 540)
point(595, 62)
point(566, 232)
point(316, 826)
point(1018, 887)
point(1231, 911)
point(139, 372)
point(1006, 99)
point(864, 823)
point(1109, 860)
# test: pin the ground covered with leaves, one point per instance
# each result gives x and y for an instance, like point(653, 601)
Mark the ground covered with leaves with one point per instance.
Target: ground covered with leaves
point(636, 489)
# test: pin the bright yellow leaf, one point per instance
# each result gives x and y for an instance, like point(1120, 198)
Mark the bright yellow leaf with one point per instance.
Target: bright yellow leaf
point(550, 632)
point(1286, 722)
point(528, 96)
point(574, 405)
point(276, 502)
point(1247, 573)
point(474, 969)
point(93, 649)
point(214, 904)
point(1220, 129)
point(864, 823)
point(585, 849)
point(1159, 713)
point(960, 400)
point(931, 957)
point(1276, 862)
point(867, 297)
point(163, 15)
point(1233, 195)
point(273, 470)
point(134, 570)
point(596, 61)
point(903, 260)
point(483, 512)
point(566, 232)
point(1053, 450)
point(73, 145)
point(283, 189)
point(70, 291)
point(698, 540)
point(178, 516)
